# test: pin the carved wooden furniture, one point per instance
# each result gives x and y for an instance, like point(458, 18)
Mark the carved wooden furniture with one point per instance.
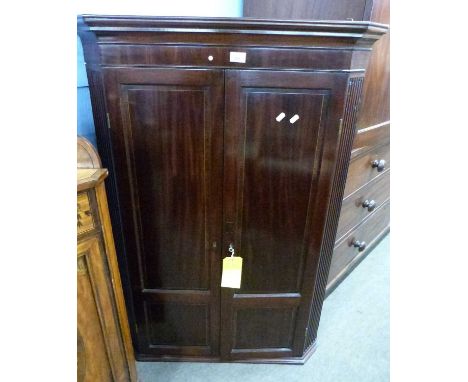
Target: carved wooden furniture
point(365, 216)
point(225, 132)
point(105, 350)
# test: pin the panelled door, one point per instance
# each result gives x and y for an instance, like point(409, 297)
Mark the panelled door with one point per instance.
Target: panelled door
point(167, 138)
point(281, 131)
point(199, 166)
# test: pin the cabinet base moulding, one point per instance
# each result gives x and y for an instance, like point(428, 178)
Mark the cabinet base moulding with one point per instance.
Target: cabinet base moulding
point(284, 360)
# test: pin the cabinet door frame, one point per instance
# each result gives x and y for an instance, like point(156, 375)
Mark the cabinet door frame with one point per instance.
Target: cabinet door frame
point(324, 166)
point(211, 80)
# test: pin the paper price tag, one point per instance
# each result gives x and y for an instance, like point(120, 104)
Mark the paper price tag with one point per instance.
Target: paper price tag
point(232, 272)
point(238, 57)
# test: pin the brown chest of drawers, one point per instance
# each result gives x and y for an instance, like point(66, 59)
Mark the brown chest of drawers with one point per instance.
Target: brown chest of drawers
point(105, 352)
point(367, 167)
point(372, 142)
point(365, 213)
point(346, 255)
point(357, 206)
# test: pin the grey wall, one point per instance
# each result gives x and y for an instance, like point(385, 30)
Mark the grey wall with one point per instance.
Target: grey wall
point(84, 112)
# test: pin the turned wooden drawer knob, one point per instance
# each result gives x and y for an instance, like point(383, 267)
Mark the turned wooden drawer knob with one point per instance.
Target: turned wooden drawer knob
point(380, 164)
point(369, 204)
point(360, 245)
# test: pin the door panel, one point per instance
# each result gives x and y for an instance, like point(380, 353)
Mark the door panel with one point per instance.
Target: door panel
point(166, 129)
point(272, 172)
point(169, 143)
point(275, 324)
point(276, 185)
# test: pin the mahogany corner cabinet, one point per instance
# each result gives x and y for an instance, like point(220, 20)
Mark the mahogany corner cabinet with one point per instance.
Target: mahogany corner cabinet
point(219, 133)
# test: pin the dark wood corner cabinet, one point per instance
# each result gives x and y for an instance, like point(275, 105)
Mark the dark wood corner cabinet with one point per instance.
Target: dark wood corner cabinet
point(220, 132)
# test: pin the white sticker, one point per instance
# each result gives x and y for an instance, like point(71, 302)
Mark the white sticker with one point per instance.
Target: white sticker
point(237, 57)
point(280, 117)
point(294, 118)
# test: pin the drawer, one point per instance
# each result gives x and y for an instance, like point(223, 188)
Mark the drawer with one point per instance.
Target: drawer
point(85, 216)
point(370, 137)
point(361, 171)
point(353, 211)
point(220, 56)
point(345, 252)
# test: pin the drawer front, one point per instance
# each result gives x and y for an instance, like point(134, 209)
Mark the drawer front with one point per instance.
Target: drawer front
point(220, 56)
point(353, 210)
point(368, 138)
point(86, 220)
point(345, 252)
point(361, 171)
